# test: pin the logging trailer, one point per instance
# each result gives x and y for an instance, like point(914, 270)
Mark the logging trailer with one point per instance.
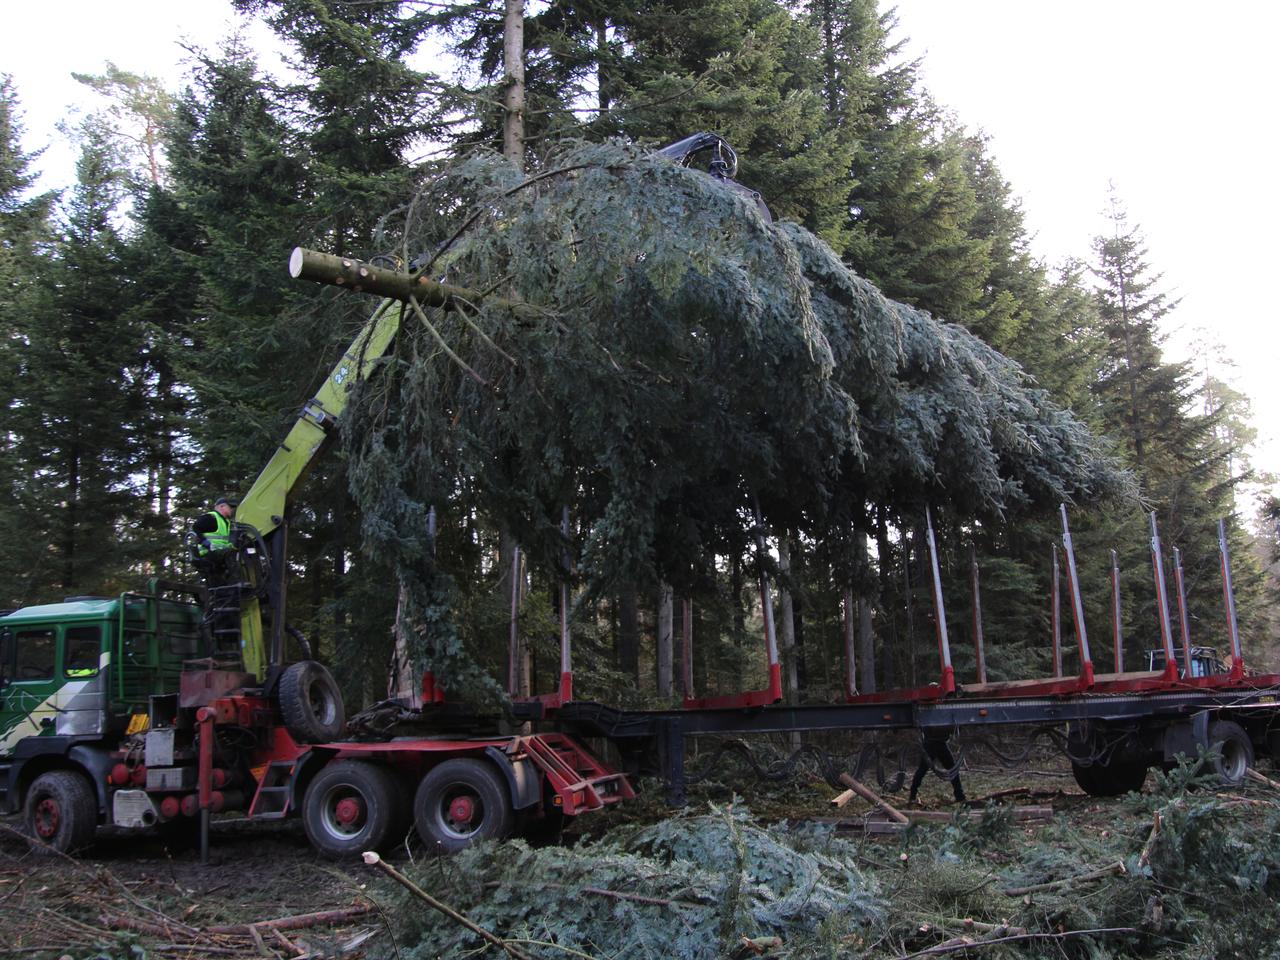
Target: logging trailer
point(156, 709)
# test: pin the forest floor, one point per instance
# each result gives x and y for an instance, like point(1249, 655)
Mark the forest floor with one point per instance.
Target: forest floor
point(790, 876)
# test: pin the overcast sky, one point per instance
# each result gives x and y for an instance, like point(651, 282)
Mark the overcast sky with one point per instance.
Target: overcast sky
point(1172, 101)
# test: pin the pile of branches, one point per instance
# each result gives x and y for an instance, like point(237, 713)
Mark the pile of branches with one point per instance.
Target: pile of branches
point(649, 351)
point(55, 905)
point(1174, 873)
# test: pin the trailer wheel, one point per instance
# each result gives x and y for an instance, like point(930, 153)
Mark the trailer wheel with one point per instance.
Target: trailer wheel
point(352, 806)
point(61, 812)
point(311, 703)
point(460, 802)
point(1235, 752)
point(1111, 780)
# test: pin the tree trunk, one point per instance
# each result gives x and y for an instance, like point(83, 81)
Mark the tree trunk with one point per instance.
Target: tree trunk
point(866, 649)
point(666, 643)
point(72, 516)
point(513, 96)
point(629, 632)
point(602, 47)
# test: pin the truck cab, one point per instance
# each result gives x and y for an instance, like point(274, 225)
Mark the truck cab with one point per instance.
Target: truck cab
point(76, 678)
point(1205, 661)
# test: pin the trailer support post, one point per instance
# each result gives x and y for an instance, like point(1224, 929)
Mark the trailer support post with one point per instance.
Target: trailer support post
point(1055, 615)
point(1077, 606)
point(566, 651)
point(948, 681)
point(979, 645)
point(1116, 638)
point(1184, 627)
point(1229, 602)
point(671, 759)
point(1162, 603)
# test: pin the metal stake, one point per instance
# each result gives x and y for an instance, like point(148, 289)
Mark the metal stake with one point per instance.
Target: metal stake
point(978, 640)
point(1055, 616)
point(1183, 626)
point(948, 682)
point(566, 652)
point(1229, 601)
point(1116, 638)
point(1162, 602)
point(1077, 606)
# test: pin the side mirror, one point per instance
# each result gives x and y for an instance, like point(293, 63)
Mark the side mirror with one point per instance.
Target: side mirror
point(6, 656)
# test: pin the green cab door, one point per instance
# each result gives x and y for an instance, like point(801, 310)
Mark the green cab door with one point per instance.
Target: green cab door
point(28, 698)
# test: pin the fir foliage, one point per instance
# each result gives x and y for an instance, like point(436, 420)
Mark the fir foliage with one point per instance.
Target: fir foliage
point(661, 360)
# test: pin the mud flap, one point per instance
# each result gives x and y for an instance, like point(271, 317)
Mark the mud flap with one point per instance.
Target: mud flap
point(1186, 738)
point(523, 779)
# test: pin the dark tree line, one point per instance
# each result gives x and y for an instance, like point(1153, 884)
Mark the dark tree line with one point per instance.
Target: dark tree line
point(154, 351)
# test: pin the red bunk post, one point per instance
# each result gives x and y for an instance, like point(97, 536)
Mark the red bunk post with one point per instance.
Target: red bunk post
point(1077, 605)
point(1162, 603)
point(1184, 627)
point(566, 651)
point(947, 683)
point(1116, 638)
point(978, 639)
point(1055, 615)
point(1229, 601)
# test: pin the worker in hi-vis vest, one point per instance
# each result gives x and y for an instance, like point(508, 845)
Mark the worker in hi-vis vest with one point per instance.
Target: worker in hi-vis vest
point(213, 545)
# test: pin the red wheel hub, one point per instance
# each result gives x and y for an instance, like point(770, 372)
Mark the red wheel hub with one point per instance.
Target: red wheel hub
point(348, 811)
point(462, 809)
point(47, 818)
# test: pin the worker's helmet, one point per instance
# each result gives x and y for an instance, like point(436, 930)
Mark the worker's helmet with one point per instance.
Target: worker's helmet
point(229, 501)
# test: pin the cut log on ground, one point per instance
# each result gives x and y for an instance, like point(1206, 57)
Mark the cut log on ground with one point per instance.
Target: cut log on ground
point(872, 797)
point(1109, 870)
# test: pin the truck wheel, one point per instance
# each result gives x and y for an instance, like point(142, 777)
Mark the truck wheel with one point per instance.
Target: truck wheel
point(311, 703)
point(62, 813)
point(459, 802)
point(1112, 779)
point(1235, 752)
point(352, 806)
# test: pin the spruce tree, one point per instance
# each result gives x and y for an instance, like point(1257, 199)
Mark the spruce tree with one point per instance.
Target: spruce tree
point(76, 396)
point(24, 239)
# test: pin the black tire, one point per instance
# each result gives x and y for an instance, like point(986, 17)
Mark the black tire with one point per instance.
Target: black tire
point(1234, 752)
point(352, 806)
point(1111, 780)
point(460, 802)
point(311, 703)
point(61, 812)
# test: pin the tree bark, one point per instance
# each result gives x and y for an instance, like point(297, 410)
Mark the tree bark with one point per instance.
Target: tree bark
point(666, 641)
point(513, 96)
point(629, 631)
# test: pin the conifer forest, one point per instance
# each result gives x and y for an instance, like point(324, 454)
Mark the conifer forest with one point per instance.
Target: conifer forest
point(659, 394)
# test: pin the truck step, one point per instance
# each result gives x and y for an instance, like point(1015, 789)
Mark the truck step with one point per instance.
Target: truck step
point(580, 780)
point(271, 802)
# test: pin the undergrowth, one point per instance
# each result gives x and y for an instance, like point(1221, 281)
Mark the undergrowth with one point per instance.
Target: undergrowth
point(694, 886)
